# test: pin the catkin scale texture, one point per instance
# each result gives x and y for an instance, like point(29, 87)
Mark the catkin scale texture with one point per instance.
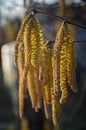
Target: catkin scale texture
point(33, 44)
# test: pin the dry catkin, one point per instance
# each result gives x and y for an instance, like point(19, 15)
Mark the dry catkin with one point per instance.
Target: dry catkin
point(71, 63)
point(21, 85)
point(56, 59)
point(20, 38)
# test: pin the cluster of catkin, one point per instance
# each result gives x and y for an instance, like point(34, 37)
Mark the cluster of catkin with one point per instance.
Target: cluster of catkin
point(44, 72)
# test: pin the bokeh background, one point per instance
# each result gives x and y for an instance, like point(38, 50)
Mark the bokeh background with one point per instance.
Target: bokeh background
point(12, 13)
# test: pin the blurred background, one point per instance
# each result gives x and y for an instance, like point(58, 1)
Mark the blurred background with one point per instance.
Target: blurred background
point(12, 12)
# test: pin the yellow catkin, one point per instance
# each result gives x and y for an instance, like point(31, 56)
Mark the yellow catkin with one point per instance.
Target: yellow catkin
point(33, 44)
point(20, 38)
point(71, 63)
point(56, 59)
point(34, 60)
point(28, 69)
point(42, 46)
point(21, 84)
point(41, 50)
point(63, 73)
point(48, 71)
point(27, 44)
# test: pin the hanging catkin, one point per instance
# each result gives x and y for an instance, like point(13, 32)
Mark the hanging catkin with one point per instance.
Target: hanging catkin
point(71, 63)
point(63, 73)
point(29, 69)
point(56, 59)
point(54, 107)
point(21, 85)
point(32, 87)
point(47, 73)
point(27, 44)
point(33, 44)
point(39, 88)
point(20, 38)
point(41, 51)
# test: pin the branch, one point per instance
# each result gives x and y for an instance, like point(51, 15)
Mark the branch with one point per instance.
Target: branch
point(58, 18)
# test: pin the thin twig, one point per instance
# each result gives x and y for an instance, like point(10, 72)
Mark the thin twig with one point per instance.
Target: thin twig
point(59, 18)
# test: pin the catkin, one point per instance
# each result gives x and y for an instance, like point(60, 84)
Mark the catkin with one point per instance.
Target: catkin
point(32, 87)
point(36, 43)
point(33, 44)
point(21, 84)
point(27, 44)
point(56, 59)
point(20, 39)
point(54, 107)
point(63, 73)
point(29, 69)
point(48, 71)
point(71, 63)
point(41, 51)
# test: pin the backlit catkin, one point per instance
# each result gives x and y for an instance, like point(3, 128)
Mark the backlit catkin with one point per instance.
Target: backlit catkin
point(29, 69)
point(47, 73)
point(56, 59)
point(35, 62)
point(41, 50)
point(33, 44)
point(27, 44)
point(71, 63)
